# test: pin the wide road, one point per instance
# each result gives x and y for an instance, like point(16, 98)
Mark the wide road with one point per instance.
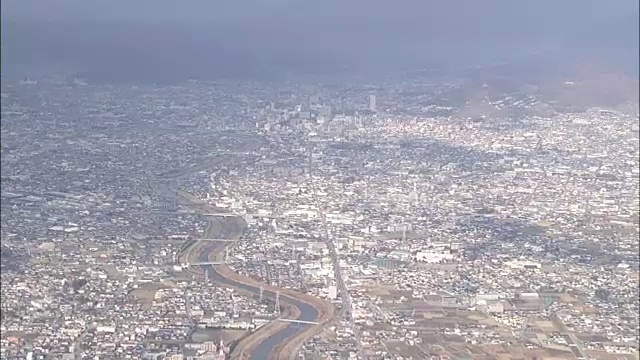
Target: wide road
point(233, 228)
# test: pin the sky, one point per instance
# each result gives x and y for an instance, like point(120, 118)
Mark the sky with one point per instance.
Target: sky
point(499, 12)
point(315, 34)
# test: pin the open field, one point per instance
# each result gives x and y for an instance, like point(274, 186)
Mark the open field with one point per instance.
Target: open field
point(228, 336)
point(145, 293)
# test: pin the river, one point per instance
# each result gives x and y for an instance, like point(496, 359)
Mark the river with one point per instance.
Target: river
point(233, 227)
point(307, 312)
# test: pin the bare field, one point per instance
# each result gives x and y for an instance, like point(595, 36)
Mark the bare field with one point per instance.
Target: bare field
point(550, 354)
point(111, 271)
point(228, 336)
point(454, 346)
point(146, 292)
point(431, 319)
point(403, 349)
point(380, 290)
point(606, 356)
point(545, 326)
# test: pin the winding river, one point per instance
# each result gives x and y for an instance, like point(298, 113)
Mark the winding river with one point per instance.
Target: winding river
point(233, 227)
point(307, 312)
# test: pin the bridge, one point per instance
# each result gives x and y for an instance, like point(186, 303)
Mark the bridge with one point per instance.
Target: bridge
point(295, 321)
point(216, 240)
point(204, 263)
point(222, 214)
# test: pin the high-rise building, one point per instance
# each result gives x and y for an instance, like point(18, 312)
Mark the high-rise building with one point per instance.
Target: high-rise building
point(372, 103)
point(333, 292)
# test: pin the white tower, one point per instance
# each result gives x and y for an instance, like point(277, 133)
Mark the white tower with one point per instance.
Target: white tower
point(235, 306)
point(333, 292)
point(221, 348)
point(372, 103)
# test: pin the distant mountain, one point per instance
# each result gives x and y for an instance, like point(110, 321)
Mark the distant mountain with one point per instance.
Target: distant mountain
point(592, 88)
point(614, 44)
point(594, 66)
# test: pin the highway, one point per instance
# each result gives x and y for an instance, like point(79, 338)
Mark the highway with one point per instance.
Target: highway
point(231, 228)
point(342, 287)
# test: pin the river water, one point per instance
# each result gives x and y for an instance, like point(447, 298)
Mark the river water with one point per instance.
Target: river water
point(307, 312)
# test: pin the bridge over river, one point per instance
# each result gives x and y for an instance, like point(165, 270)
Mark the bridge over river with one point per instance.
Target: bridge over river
point(222, 230)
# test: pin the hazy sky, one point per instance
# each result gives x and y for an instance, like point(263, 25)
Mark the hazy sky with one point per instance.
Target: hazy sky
point(312, 33)
point(495, 13)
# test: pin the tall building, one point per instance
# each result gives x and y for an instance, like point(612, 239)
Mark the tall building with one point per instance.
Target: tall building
point(333, 292)
point(372, 103)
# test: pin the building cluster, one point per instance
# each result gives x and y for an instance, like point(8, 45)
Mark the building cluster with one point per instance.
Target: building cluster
point(448, 229)
point(502, 223)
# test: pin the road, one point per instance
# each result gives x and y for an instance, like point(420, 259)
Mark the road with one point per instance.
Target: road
point(342, 287)
point(572, 340)
point(233, 228)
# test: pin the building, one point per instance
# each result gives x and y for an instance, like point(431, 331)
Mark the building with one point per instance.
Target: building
point(333, 292)
point(372, 103)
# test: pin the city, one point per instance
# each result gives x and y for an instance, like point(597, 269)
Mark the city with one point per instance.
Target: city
point(216, 220)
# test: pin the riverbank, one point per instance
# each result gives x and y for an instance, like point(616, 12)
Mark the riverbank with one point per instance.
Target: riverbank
point(272, 338)
point(284, 348)
point(262, 344)
point(268, 340)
